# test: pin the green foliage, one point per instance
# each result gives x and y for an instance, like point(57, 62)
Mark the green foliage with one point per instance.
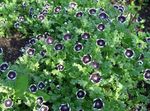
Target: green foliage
point(120, 75)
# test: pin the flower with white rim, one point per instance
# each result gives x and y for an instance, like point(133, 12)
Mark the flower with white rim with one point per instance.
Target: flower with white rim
point(11, 75)
point(30, 51)
point(8, 103)
point(33, 88)
point(98, 103)
point(78, 47)
point(80, 94)
point(40, 100)
point(100, 42)
point(57, 9)
point(129, 53)
point(73, 5)
point(147, 74)
point(101, 27)
point(86, 59)
point(44, 108)
point(64, 107)
point(95, 77)
point(4, 66)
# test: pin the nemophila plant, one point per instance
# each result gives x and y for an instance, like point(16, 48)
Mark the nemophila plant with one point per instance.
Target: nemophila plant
point(80, 56)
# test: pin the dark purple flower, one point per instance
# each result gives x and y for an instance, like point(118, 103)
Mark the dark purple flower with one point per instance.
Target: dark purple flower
point(129, 53)
point(57, 9)
point(43, 53)
point(40, 100)
point(139, 19)
point(8, 103)
point(60, 67)
point(4, 66)
point(44, 12)
point(100, 42)
point(79, 14)
point(147, 39)
point(16, 25)
point(95, 77)
point(41, 17)
point(59, 46)
point(116, 6)
point(73, 5)
point(86, 59)
point(85, 36)
point(49, 40)
point(121, 9)
point(98, 103)
point(11, 75)
point(64, 107)
point(32, 41)
point(47, 6)
point(121, 19)
point(95, 64)
point(92, 11)
point(103, 15)
point(80, 94)
point(101, 27)
point(147, 74)
point(78, 47)
point(21, 18)
point(44, 108)
point(40, 36)
point(33, 88)
point(30, 51)
point(1, 51)
point(67, 36)
point(41, 85)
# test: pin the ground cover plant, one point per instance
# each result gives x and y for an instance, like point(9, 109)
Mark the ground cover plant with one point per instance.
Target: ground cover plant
point(78, 56)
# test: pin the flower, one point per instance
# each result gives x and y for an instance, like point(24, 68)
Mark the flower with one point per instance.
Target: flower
point(32, 41)
point(49, 40)
point(33, 88)
point(57, 9)
point(8, 103)
point(64, 107)
point(103, 15)
point(41, 17)
point(95, 77)
point(100, 42)
point(4, 66)
point(16, 25)
point(85, 36)
point(86, 59)
point(30, 51)
point(67, 36)
point(80, 94)
point(92, 11)
point(44, 108)
point(43, 53)
point(95, 64)
point(121, 19)
point(41, 85)
point(98, 103)
point(73, 5)
point(60, 67)
point(40, 100)
point(11, 75)
point(101, 27)
point(147, 74)
point(129, 53)
point(79, 14)
point(78, 47)
point(59, 46)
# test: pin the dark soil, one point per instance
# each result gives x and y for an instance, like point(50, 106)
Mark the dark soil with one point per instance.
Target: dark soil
point(145, 14)
point(11, 47)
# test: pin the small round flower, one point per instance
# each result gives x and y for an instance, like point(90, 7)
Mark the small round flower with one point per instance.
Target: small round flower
point(95, 64)
point(41, 85)
point(79, 14)
point(41, 17)
point(57, 9)
point(59, 46)
point(24, 5)
point(147, 74)
point(44, 108)
point(73, 5)
point(1, 51)
point(30, 51)
point(43, 53)
point(129, 53)
point(78, 47)
point(100, 42)
point(103, 15)
point(85, 36)
point(67, 36)
point(39, 37)
point(140, 62)
point(116, 6)
point(121, 9)
point(4, 66)
point(21, 18)
point(92, 11)
point(44, 12)
point(86, 59)
point(11, 75)
point(40, 100)
point(58, 87)
point(32, 41)
point(47, 6)
point(49, 40)
point(121, 19)
point(8, 103)
point(147, 39)
point(95, 77)
point(60, 67)
point(16, 25)
point(64, 107)
point(33, 88)
point(101, 27)
point(98, 103)
point(80, 94)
